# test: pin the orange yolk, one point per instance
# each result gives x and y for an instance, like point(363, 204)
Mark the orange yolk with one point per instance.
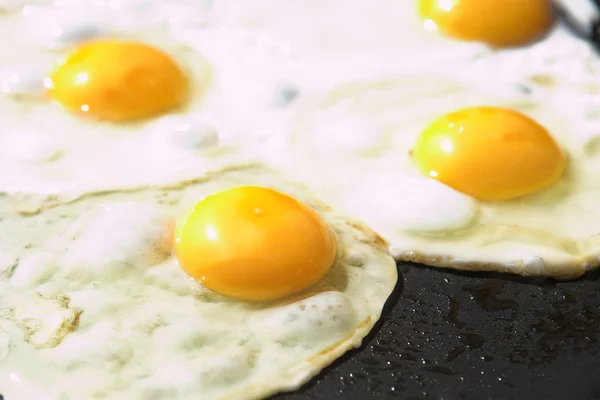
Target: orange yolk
point(489, 153)
point(499, 23)
point(115, 80)
point(254, 243)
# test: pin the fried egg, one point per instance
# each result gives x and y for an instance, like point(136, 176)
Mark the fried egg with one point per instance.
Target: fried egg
point(454, 176)
point(107, 95)
point(238, 287)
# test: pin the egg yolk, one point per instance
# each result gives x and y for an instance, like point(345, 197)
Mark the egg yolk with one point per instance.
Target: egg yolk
point(489, 153)
point(115, 80)
point(499, 23)
point(254, 243)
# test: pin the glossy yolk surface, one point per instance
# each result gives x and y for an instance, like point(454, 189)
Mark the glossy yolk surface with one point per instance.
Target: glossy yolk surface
point(489, 153)
point(499, 23)
point(114, 80)
point(254, 243)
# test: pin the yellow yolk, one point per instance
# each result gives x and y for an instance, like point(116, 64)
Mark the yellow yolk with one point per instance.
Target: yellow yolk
point(254, 243)
point(489, 153)
point(499, 23)
point(114, 80)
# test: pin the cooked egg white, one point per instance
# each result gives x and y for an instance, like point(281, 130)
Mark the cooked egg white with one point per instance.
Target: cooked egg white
point(94, 304)
point(519, 197)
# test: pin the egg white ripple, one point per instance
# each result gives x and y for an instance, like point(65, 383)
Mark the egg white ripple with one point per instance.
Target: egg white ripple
point(237, 101)
point(553, 232)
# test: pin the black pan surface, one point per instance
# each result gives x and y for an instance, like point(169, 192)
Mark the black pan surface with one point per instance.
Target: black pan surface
point(447, 335)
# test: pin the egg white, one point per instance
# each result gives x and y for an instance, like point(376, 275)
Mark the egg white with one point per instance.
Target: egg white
point(93, 304)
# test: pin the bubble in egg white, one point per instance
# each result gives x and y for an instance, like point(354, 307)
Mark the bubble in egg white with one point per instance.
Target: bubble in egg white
point(192, 133)
point(355, 257)
point(23, 80)
point(348, 133)
point(535, 265)
point(29, 147)
point(420, 204)
point(285, 95)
